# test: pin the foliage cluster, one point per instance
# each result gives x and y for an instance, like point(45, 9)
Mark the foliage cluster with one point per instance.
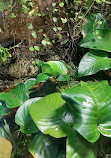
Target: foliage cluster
point(51, 26)
point(76, 116)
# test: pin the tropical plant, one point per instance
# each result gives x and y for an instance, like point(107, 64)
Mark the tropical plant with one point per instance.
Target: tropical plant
point(96, 36)
point(62, 21)
point(75, 118)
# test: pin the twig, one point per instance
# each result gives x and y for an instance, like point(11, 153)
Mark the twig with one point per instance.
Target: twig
point(14, 46)
point(84, 15)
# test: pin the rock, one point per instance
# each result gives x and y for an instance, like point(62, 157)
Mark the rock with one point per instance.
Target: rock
point(19, 66)
point(21, 69)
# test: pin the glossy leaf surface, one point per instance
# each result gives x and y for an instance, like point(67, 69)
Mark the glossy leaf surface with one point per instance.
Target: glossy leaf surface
point(51, 115)
point(42, 78)
point(44, 146)
point(30, 83)
point(78, 147)
point(91, 105)
point(23, 118)
point(46, 69)
point(93, 62)
point(63, 78)
point(16, 96)
point(97, 33)
point(100, 41)
point(93, 22)
point(58, 66)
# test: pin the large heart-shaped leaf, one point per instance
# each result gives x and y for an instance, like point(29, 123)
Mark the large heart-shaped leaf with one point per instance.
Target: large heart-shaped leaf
point(78, 147)
point(93, 22)
point(91, 105)
point(51, 115)
point(46, 69)
point(96, 32)
point(58, 66)
point(23, 118)
point(44, 146)
point(5, 148)
point(16, 96)
point(99, 39)
point(93, 62)
point(54, 68)
point(42, 77)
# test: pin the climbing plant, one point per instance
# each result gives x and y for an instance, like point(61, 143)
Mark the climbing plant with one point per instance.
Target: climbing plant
point(58, 28)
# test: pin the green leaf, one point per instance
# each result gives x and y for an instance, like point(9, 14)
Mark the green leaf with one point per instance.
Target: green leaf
point(51, 115)
point(91, 105)
point(23, 1)
point(3, 55)
point(63, 78)
point(29, 25)
point(61, 4)
point(4, 129)
point(54, 19)
point(78, 147)
point(0, 30)
point(12, 15)
point(64, 42)
point(55, 10)
point(31, 4)
point(44, 42)
point(98, 1)
point(58, 66)
point(93, 62)
point(53, 4)
point(16, 96)
point(94, 22)
point(64, 20)
point(59, 28)
point(3, 109)
point(34, 34)
point(4, 4)
point(42, 78)
point(48, 70)
point(59, 36)
point(37, 48)
point(9, 55)
point(31, 48)
point(96, 32)
point(30, 83)
point(23, 118)
point(25, 9)
point(44, 146)
point(100, 41)
point(55, 29)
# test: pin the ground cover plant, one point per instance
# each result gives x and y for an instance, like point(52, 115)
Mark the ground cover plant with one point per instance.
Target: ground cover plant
point(73, 120)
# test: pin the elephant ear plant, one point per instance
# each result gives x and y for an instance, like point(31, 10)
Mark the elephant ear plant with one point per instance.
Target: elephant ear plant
point(19, 97)
point(81, 114)
point(71, 122)
point(97, 37)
